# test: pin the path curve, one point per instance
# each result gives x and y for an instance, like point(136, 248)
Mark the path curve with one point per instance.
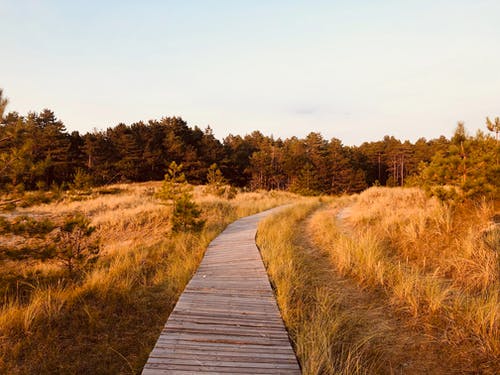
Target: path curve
point(227, 319)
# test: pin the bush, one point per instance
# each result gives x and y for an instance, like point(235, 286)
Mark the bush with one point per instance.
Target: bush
point(25, 225)
point(82, 180)
point(175, 190)
point(186, 215)
point(75, 248)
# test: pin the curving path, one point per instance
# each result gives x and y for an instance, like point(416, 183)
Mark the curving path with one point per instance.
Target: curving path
point(227, 319)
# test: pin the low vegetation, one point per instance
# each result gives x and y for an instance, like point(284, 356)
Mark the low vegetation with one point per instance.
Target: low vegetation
point(423, 273)
point(437, 262)
point(329, 338)
point(114, 311)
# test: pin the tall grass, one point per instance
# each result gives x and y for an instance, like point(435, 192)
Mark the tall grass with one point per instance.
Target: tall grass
point(430, 259)
point(329, 338)
point(109, 321)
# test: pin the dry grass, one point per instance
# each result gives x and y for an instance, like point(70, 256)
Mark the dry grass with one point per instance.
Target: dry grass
point(109, 321)
point(328, 337)
point(437, 263)
point(396, 264)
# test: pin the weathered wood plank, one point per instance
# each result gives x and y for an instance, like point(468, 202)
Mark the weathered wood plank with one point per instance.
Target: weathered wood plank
point(226, 352)
point(214, 362)
point(221, 346)
point(227, 320)
point(177, 369)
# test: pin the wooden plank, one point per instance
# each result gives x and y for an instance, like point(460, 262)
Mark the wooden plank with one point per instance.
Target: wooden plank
point(215, 362)
point(221, 351)
point(220, 346)
point(227, 319)
point(176, 369)
point(225, 359)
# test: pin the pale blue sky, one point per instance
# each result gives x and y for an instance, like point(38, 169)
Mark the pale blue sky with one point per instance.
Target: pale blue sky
point(355, 70)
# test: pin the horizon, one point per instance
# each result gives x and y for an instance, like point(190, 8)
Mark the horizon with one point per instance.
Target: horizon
point(249, 132)
point(356, 72)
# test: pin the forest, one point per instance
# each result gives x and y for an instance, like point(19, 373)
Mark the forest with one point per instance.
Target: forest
point(38, 153)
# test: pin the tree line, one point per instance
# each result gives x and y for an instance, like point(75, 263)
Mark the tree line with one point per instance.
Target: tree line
point(37, 152)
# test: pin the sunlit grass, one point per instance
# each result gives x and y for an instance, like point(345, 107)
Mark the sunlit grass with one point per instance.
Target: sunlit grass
point(325, 334)
point(108, 321)
point(430, 259)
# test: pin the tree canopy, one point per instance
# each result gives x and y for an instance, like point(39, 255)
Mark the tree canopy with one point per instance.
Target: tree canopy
point(36, 152)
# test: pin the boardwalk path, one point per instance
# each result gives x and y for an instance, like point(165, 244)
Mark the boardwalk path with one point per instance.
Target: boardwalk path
point(227, 320)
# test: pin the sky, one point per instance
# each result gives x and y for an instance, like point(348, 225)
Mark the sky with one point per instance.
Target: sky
point(354, 70)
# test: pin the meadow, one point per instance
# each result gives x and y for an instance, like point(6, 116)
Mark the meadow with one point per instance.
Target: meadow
point(107, 318)
point(388, 281)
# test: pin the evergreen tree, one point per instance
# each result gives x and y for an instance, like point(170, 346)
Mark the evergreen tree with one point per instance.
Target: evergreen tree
point(236, 163)
point(75, 247)
point(176, 191)
point(340, 167)
point(100, 156)
point(494, 126)
point(76, 154)
point(468, 166)
point(154, 154)
point(128, 161)
point(174, 184)
point(16, 153)
point(316, 149)
point(186, 214)
point(305, 183)
point(215, 181)
point(294, 159)
point(51, 148)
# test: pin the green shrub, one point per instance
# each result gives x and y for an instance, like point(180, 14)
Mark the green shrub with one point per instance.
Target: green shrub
point(74, 247)
point(176, 191)
point(186, 216)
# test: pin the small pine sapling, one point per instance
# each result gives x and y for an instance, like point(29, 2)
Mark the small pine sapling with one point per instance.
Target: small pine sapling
point(217, 184)
point(176, 191)
point(74, 247)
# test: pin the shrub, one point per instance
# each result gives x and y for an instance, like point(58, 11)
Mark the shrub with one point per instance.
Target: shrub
point(186, 214)
point(176, 191)
point(25, 225)
point(75, 248)
point(82, 180)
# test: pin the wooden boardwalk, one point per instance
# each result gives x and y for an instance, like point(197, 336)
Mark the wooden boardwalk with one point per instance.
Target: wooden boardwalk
point(227, 320)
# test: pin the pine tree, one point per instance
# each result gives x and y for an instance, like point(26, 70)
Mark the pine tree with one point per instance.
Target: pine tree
point(16, 153)
point(128, 163)
point(176, 191)
point(340, 167)
point(494, 126)
point(305, 183)
point(186, 214)
point(215, 181)
point(174, 184)
point(75, 248)
point(467, 167)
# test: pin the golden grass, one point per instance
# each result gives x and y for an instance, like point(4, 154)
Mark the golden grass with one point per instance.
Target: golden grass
point(328, 338)
point(429, 259)
point(109, 321)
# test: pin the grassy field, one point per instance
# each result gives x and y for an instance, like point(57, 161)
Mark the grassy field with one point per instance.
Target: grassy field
point(389, 281)
point(108, 319)
point(386, 282)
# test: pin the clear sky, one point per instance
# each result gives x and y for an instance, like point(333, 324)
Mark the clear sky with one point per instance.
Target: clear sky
point(355, 70)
